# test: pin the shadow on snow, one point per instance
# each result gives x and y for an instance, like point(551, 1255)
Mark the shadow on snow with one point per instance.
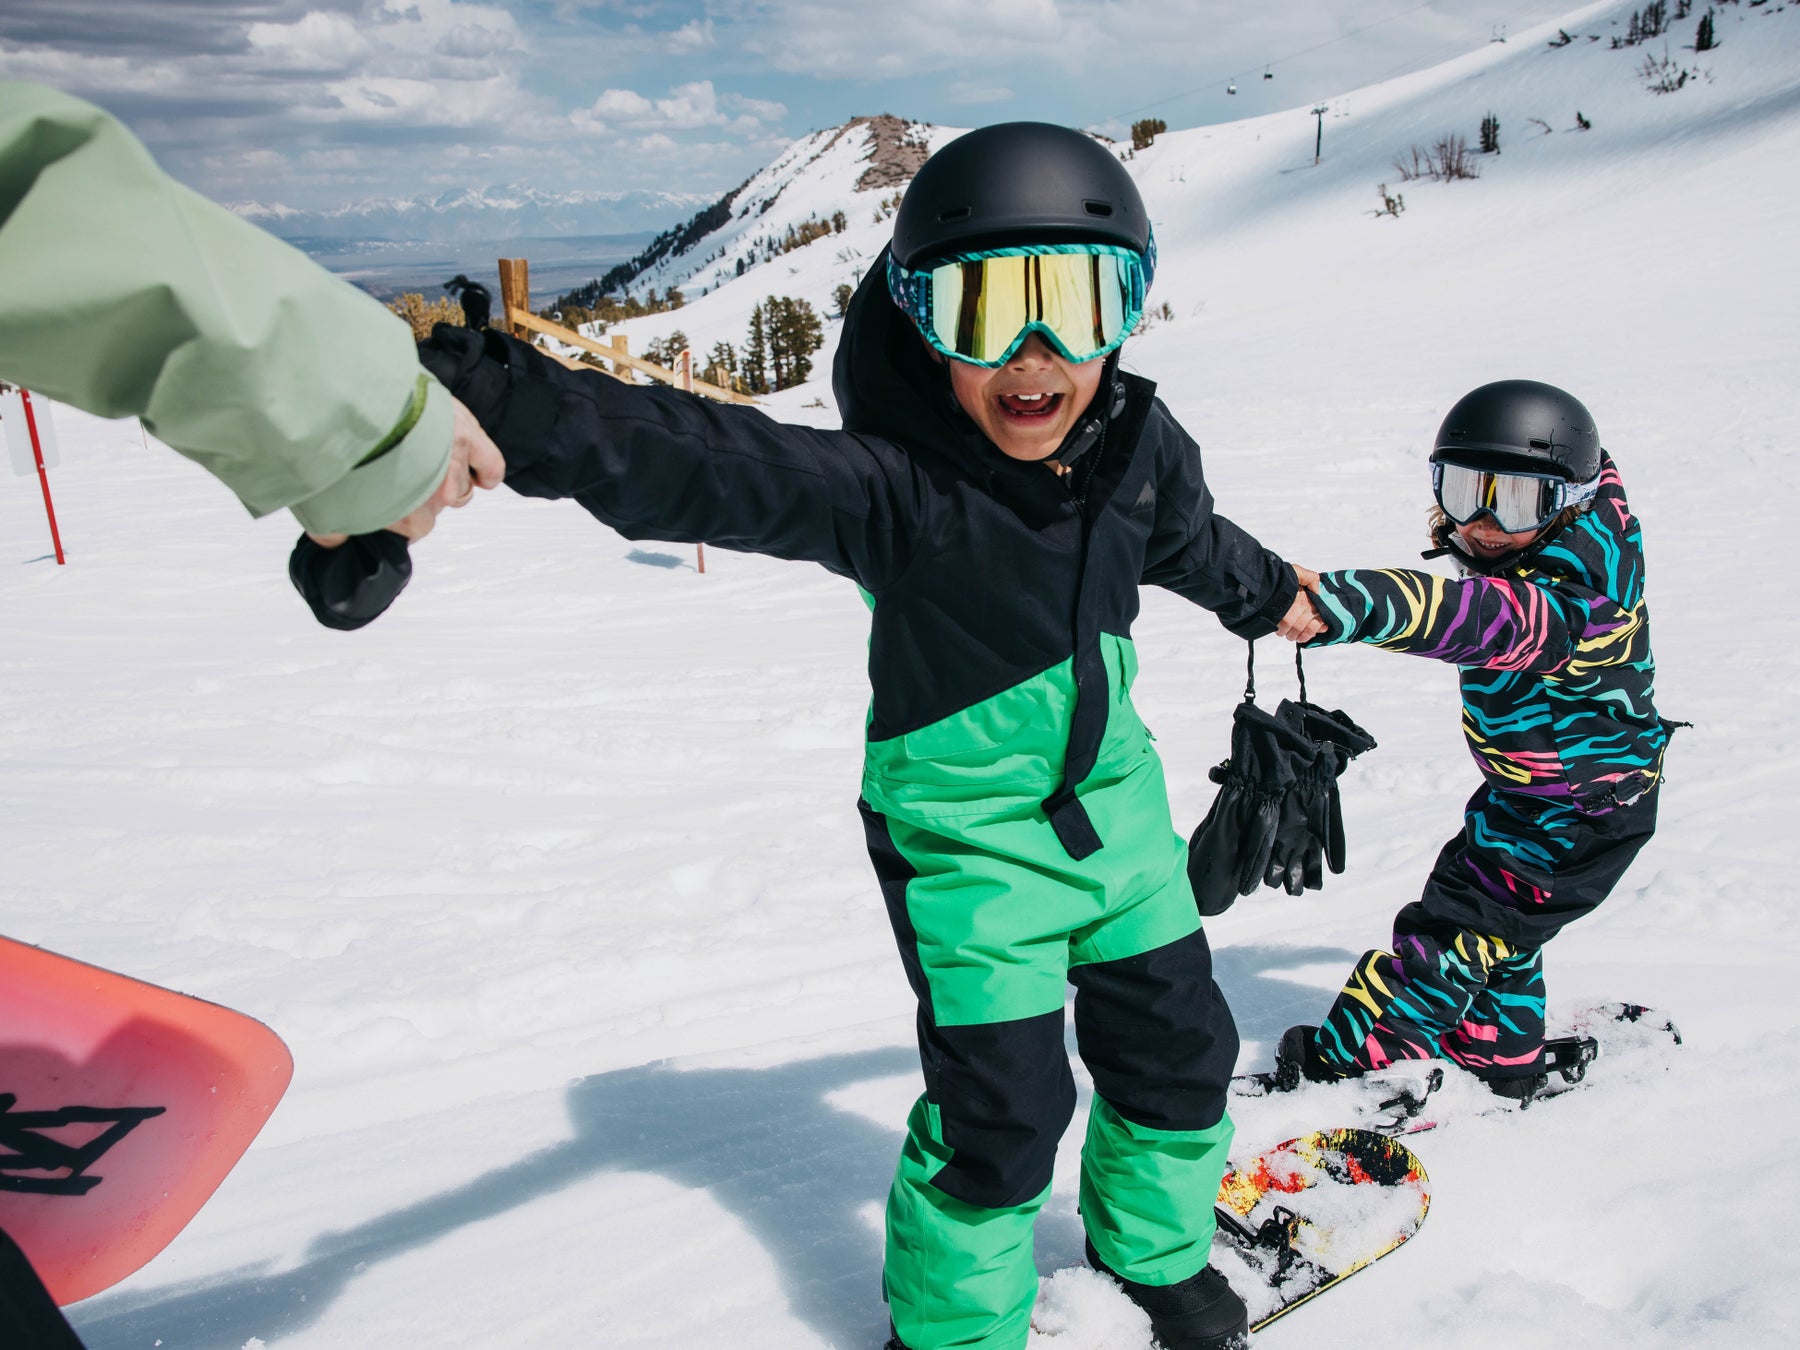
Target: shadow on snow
point(765, 1143)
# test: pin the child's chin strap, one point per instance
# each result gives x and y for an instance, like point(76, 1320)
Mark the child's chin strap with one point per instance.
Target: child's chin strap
point(1086, 433)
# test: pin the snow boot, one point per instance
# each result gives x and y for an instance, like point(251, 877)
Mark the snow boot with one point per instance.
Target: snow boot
point(1298, 1060)
point(1522, 1089)
point(1567, 1056)
point(1200, 1313)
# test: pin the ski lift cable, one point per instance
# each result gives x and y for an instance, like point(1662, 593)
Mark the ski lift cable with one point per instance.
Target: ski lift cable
point(1251, 71)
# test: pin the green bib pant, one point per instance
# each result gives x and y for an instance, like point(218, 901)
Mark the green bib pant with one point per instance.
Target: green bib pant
point(994, 920)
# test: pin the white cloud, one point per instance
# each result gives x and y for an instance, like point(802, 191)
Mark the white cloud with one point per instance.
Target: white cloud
point(686, 107)
point(316, 42)
point(622, 103)
point(694, 36)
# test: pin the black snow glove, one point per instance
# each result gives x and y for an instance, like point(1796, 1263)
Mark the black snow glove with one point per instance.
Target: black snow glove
point(1234, 848)
point(1340, 740)
point(1277, 819)
point(1297, 853)
point(354, 583)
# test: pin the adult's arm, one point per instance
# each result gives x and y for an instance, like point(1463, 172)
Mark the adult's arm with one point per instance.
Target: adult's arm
point(657, 463)
point(126, 294)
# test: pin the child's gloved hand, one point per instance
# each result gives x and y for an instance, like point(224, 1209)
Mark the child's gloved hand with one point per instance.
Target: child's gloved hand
point(353, 583)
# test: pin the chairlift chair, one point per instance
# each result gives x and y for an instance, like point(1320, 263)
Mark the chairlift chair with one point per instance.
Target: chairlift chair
point(1231, 88)
point(1268, 74)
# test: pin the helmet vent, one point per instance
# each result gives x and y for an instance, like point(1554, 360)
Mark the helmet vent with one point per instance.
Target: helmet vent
point(1095, 208)
point(953, 213)
point(1538, 445)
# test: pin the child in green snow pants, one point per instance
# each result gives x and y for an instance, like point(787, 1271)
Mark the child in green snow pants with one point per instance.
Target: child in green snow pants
point(993, 921)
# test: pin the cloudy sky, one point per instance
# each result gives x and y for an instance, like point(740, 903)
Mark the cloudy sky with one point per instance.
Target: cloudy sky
point(318, 102)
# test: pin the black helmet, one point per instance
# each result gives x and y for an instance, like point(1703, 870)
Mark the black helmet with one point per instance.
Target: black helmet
point(1520, 425)
point(1019, 182)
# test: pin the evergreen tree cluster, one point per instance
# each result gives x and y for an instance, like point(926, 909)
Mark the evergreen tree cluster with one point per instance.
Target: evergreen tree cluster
point(668, 351)
point(784, 333)
point(1490, 135)
point(1145, 132)
point(572, 312)
point(1649, 22)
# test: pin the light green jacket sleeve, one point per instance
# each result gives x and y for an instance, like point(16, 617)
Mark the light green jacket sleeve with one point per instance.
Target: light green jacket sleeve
point(125, 294)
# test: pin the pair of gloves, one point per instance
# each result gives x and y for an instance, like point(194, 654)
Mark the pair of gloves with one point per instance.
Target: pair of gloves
point(1278, 819)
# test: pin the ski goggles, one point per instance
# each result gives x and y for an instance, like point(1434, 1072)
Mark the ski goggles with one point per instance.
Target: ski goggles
point(979, 307)
point(1516, 501)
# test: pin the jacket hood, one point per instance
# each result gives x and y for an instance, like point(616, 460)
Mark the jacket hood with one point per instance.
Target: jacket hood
point(887, 385)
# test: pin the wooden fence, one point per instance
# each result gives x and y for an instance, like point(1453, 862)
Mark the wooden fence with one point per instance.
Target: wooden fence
point(515, 301)
point(515, 304)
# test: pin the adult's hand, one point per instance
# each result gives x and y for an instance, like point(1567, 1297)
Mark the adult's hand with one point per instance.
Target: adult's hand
point(475, 461)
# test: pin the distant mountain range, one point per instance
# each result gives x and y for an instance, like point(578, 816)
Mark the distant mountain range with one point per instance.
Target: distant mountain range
point(478, 213)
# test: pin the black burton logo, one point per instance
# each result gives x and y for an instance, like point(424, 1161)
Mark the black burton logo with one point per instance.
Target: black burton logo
point(25, 1150)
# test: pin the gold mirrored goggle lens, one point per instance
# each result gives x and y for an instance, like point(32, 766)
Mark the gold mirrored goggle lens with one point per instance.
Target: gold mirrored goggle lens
point(982, 308)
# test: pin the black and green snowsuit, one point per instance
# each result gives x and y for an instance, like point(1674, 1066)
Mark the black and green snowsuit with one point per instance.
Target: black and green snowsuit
point(1014, 807)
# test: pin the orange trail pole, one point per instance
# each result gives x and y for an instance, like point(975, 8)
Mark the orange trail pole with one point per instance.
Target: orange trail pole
point(37, 453)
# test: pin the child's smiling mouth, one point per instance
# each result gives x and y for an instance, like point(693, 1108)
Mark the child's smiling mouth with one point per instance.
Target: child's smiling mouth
point(1027, 407)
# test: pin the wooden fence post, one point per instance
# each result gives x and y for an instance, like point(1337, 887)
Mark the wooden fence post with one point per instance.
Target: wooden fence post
point(622, 345)
point(515, 293)
point(687, 383)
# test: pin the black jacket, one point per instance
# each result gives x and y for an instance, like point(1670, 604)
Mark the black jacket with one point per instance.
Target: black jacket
point(984, 570)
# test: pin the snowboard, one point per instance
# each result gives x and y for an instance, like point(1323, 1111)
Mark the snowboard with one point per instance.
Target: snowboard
point(1306, 1215)
point(122, 1107)
point(1629, 1032)
point(1387, 1100)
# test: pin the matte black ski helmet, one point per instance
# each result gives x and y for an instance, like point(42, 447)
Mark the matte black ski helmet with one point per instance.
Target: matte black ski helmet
point(1019, 182)
point(1523, 426)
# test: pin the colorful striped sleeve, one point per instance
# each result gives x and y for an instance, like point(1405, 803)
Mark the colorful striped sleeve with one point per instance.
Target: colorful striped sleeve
point(1496, 623)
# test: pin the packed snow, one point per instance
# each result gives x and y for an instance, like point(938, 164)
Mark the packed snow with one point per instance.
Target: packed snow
point(553, 881)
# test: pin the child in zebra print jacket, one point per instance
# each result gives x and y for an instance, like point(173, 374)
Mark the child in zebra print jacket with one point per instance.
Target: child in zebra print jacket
point(1548, 625)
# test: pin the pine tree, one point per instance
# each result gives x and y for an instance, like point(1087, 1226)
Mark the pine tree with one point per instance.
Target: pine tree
point(1490, 135)
point(756, 354)
point(801, 334)
point(1703, 35)
point(722, 366)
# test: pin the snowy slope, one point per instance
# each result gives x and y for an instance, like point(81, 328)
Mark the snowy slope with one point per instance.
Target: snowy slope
point(815, 178)
point(553, 881)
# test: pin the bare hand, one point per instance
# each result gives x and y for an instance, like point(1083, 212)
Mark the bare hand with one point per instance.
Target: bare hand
point(475, 461)
point(1302, 622)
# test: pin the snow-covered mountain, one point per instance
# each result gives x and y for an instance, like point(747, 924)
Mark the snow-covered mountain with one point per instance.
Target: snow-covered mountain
point(553, 878)
point(476, 213)
point(827, 181)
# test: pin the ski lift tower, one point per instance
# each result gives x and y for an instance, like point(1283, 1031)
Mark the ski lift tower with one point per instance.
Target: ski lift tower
point(1319, 141)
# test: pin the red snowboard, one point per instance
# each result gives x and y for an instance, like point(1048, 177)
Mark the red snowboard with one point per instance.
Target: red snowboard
point(122, 1107)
